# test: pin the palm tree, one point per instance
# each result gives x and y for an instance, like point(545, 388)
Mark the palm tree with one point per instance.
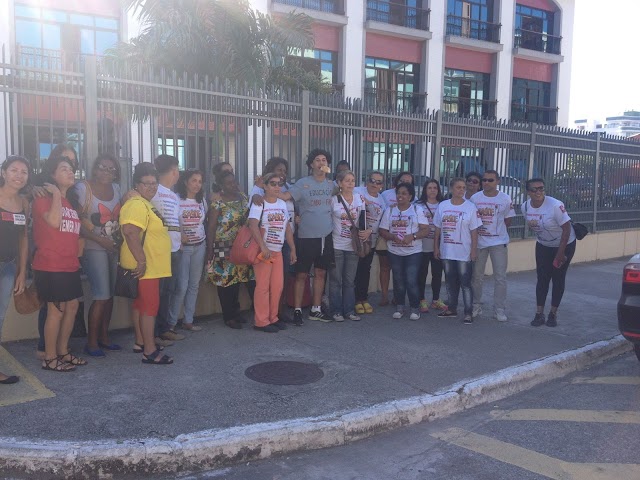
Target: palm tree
point(217, 38)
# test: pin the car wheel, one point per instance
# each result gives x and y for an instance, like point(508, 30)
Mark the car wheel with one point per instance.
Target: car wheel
point(636, 348)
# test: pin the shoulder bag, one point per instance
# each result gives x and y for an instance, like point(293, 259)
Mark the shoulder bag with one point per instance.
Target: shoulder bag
point(362, 248)
point(245, 249)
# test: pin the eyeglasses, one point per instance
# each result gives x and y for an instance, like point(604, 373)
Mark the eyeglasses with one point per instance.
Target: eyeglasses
point(104, 168)
point(490, 180)
point(376, 182)
point(149, 184)
point(274, 184)
point(474, 181)
point(536, 189)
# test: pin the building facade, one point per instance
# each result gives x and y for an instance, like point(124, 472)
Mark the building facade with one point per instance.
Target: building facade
point(506, 59)
point(625, 125)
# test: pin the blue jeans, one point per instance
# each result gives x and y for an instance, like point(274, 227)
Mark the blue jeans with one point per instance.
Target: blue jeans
point(8, 272)
point(405, 270)
point(189, 274)
point(342, 293)
point(100, 267)
point(458, 276)
point(168, 287)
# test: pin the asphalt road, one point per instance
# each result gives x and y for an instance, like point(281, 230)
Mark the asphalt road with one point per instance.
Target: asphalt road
point(586, 426)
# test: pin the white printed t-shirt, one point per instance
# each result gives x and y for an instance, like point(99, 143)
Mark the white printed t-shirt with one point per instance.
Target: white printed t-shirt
point(456, 222)
point(493, 211)
point(168, 204)
point(374, 206)
point(428, 211)
point(256, 190)
point(402, 224)
point(192, 215)
point(546, 221)
point(275, 219)
point(341, 233)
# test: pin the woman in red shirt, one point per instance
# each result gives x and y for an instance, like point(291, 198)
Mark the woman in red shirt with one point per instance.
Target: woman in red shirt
point(56, 229)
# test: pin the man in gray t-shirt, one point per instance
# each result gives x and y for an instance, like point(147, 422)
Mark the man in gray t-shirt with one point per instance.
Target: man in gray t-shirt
point(312, 196)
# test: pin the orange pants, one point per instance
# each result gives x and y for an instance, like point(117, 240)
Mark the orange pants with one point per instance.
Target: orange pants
point(269, 284)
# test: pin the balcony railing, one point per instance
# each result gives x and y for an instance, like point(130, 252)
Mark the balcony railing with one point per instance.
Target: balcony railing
point(534, 114)
point(398, 14)
point(541, 42)
point(470, 107)
point(394, 100)
point(48, 59)
point(476, 29)
point(329, 6)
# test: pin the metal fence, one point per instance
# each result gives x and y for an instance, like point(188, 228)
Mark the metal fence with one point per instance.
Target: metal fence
point(135, 115)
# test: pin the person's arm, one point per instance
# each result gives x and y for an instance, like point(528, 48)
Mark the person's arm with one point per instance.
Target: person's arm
point(254, 227)
point(474, 244)
point(53, 216)
point(131, 235)
point(507, 221)
point(286, 196)
point(212, 226)
point(23, 253)
point(292, 245)
point(436, 244)
point(564, 239)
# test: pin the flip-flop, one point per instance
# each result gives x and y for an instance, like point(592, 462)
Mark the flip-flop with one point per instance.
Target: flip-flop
point(114, 347)
point(151, 359)
point(137, 348)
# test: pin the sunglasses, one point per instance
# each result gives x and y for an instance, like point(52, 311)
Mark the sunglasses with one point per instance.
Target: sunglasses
point(490, 180)
point(149, 184)
point(536, 189)
point(104, 168)
point(475, 182)
point(275, 184)
point(376, 182)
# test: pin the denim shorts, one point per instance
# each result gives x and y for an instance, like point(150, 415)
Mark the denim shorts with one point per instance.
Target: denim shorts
point(100, 267)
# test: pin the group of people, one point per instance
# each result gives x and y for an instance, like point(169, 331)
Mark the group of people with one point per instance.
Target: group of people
point(167, 235)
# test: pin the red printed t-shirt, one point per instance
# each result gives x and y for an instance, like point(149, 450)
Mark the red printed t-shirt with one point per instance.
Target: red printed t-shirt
point(56, 248)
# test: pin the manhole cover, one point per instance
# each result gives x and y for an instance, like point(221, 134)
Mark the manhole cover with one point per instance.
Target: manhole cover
point(284, 373)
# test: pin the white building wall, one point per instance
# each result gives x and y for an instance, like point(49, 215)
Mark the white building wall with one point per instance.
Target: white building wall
point(353, 48)
point(504, 60)
point(564, 68)
point(432, 68)
point(6, 43)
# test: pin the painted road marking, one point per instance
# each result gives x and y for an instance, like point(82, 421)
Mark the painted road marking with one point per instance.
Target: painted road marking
point(608, 380)
point(28, 389)
point(553, 415)
point(536, 462)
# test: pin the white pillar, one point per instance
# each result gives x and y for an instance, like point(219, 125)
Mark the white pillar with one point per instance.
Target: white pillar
point(563, 85)
point(504, 62)
point(6, 27)
point(433, 56)
point(353, 50)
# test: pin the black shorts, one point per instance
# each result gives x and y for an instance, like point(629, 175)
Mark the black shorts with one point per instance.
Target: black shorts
point(310, 253)
point(56, 287)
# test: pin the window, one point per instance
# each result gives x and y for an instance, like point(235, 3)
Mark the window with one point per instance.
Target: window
point(472, 19)
point(173, 147)
point(48, 29)
point(531, 102)
point(326, 62)
point(535, 30)
point(467, 93)
point(390, 83)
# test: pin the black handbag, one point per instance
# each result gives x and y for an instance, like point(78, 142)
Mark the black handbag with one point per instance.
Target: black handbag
point(579, 229)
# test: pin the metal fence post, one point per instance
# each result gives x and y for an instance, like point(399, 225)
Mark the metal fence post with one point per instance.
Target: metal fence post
point(90, 110)
point(532, 159)
point(596, 183)
point(304, 127)
point(437, 146)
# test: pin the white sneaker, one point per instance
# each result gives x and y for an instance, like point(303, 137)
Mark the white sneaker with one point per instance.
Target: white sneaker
point(353, 317)
point(338, 318)
point(477, 310)
point(414, 316)
point(500, 315)
point(398, 314)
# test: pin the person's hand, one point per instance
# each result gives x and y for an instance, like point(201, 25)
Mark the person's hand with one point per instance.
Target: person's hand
point(293, 258)
point(266, 253)
point(474, 255)
point(364, 234)
point(209, 254)
point(259, 183)
point(20, 284)
point(407, 240)
point(184, 239)
point(139, 270)
point(297, 219)
point(130, 194)
point(38, 192)
point(108, 244)
point(215, 197)
point(257, 199)
point(52, 189)
point(436, 252)
point(559, 261)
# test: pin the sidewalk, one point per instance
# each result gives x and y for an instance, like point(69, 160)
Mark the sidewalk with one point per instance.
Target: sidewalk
point(365, 363)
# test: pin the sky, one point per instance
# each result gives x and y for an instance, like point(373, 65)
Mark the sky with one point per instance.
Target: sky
point(605, 74)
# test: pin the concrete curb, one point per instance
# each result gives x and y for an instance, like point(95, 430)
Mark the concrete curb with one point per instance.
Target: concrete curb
point(221, 447)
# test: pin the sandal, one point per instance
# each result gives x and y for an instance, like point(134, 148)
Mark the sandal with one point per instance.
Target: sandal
point(59, 366)
point(73, 360)
point(137, 348)
point(152, 359)
point(367, 307)
point(447, 313)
